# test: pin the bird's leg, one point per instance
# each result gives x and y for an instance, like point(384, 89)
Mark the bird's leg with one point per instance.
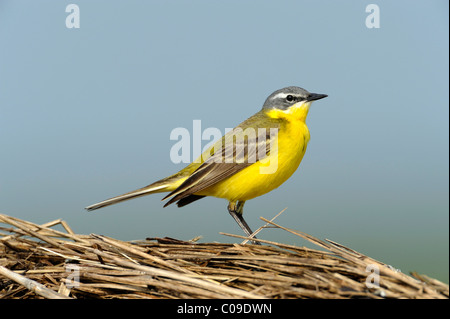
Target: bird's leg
point(236, 211)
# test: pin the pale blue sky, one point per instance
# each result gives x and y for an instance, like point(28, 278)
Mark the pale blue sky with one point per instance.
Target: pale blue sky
point(86, 114)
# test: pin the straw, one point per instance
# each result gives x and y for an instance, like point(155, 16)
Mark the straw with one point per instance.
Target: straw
point(37, 261)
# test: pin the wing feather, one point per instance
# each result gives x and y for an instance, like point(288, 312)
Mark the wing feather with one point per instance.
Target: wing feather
point(236, 150)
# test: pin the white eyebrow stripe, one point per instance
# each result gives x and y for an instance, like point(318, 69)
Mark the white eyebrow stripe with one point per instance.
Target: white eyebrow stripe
point(281, 94)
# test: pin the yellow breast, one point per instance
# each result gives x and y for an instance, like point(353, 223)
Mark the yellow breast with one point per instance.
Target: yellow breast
point(268, 174)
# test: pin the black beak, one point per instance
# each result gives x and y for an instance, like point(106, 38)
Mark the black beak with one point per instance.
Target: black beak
point(315, 96)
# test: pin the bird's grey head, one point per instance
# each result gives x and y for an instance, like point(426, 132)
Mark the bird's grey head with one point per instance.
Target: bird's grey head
point(284, 98)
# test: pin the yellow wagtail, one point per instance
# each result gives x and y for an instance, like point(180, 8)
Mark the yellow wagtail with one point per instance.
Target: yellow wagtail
point(254, 158)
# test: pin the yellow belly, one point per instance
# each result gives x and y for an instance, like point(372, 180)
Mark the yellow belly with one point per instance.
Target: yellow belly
point(254, 180)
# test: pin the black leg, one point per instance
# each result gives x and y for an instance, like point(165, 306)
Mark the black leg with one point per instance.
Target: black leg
point(236, 211)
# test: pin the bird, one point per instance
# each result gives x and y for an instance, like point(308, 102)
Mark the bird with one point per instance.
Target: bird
point(254, 158)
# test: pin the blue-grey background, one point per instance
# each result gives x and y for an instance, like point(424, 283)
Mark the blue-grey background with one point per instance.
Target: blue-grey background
point(86, 114)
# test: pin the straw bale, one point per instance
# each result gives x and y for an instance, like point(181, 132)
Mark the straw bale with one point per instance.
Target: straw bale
point(38, 261)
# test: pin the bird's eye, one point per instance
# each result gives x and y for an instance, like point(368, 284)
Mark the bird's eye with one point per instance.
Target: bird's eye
point(290, 98)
